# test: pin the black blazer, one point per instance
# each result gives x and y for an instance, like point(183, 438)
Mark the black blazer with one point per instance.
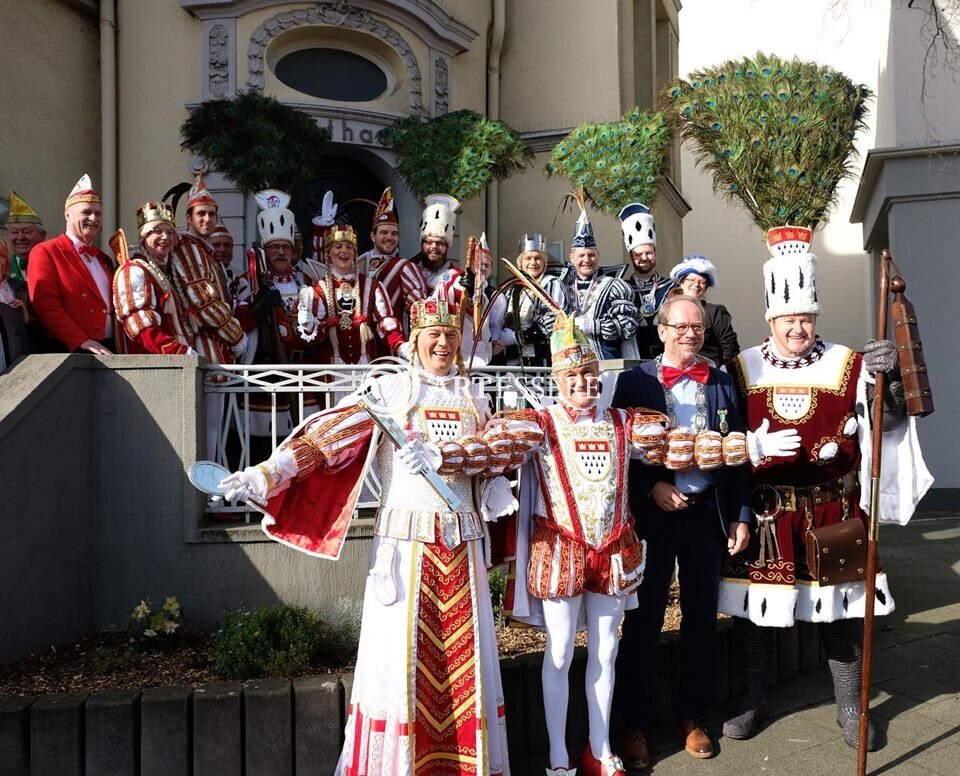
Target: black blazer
point(639, 387)
point(719, 339)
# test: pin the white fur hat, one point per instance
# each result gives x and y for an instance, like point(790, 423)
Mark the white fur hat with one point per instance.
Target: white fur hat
point(636, 223)
point(790, 275)
point(695, 265)
point(439, 217)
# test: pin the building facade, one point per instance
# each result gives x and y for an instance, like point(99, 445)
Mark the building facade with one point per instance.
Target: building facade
point(542, 66)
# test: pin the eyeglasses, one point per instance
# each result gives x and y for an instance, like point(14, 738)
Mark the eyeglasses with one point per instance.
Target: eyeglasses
point(683, 328)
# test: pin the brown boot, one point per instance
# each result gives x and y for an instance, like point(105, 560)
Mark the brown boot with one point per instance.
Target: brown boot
point(695, 739)
point(634, 750)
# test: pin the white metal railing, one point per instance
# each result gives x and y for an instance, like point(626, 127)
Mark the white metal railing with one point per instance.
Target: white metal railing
point(246, 408)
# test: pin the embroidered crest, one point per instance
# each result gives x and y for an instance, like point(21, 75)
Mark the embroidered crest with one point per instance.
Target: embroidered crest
point(443, 425)
point(792, 402)
point(593, 457)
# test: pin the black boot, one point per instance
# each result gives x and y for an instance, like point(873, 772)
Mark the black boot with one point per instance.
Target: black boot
point(750, 708)
point(844, 642)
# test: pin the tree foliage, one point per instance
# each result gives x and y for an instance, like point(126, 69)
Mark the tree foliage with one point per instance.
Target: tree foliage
point(257, 142)
point(457, 153)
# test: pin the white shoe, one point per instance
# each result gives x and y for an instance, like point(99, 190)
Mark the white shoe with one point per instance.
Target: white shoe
point(561, 772)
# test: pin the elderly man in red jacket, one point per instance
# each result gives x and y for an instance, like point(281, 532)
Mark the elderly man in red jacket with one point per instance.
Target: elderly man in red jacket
point(71, 280)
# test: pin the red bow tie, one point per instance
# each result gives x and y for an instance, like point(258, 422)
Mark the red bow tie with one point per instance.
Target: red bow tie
point(86, 250)
point(699, 372)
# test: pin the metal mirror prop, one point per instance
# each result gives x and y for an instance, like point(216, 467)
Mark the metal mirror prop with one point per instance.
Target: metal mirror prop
point(206, 476)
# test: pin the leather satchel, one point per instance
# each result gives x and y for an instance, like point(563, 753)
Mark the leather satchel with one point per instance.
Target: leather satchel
point(837, 553)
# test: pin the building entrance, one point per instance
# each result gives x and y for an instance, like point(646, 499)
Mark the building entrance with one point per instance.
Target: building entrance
point(351, 183)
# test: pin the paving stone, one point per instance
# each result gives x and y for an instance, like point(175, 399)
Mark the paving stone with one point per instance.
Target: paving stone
point(15, 735)
point(317, 722)
point(165, 731)
point(268, 727)
point(217, 729)
point(56, 736)
point(112, 732)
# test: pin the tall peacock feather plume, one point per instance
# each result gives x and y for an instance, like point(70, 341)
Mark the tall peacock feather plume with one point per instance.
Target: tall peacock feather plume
point(776, 135)
point(617, 162)
point(257, 142)
point(459, 153)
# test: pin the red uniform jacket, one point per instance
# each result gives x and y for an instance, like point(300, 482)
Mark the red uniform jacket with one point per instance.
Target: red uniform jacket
point(64, 295)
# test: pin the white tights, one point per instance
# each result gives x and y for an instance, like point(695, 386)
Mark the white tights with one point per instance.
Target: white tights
point(603, 618)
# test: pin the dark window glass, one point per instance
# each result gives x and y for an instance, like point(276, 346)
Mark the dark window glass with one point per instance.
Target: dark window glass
point(332, 74)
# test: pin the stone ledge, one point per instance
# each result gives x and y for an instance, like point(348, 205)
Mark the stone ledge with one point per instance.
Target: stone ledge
point(281, 727)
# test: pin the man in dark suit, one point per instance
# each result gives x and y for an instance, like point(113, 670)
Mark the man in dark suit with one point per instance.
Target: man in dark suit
point(692, 517)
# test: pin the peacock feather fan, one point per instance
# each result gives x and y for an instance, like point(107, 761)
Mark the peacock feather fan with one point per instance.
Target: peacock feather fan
point(615, 163)
point(777, 135)
point(458, 153)
point(257, 142)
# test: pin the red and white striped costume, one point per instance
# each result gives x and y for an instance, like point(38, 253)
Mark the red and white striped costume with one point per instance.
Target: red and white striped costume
point(149, 315)
point(206, 302)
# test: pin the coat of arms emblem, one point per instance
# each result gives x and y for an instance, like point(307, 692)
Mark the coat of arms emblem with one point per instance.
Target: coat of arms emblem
point(792, 402)
point(593, 458)
point(442, 425)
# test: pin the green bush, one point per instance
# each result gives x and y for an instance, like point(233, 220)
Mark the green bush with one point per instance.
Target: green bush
point(267, 641)
point(285, 639)
point(497, 581)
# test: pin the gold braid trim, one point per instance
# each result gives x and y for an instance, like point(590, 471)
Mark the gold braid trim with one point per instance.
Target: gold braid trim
point(306, 454)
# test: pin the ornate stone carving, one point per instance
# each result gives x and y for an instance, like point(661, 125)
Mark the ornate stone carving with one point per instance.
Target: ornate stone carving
point(335, 14)
point(441, 86)
point(218, 62)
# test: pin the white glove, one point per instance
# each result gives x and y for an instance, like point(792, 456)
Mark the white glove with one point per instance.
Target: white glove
point(250, 484)
point(763, 443)
point(241, 347)
point(191, 352)
point(418, 456)
point(404, 351)
point(328, 211)
point(306, 325)
point(497, 500)
point(383, 575)
point(584, 324)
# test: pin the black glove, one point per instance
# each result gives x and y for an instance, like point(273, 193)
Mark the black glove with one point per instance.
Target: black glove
point(469, 282)
point(263, 303)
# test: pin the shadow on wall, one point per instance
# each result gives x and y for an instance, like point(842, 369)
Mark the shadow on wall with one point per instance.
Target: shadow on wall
point(99, 513)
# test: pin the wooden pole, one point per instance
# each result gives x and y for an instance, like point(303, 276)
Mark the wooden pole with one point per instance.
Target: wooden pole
point(870, 583)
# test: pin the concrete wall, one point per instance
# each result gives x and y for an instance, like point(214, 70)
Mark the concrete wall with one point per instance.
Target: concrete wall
point(51, 103)
point(99, 514)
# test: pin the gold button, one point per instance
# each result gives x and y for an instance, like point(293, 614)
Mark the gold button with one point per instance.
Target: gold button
point(842, 561)
point(859, 541)
point(826, 579)
point(826, 550)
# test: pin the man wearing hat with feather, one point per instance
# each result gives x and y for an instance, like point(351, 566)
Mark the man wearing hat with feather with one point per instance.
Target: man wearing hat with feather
point(778, 137)
point(603, 306)
point(578, 560)
point(401, 278)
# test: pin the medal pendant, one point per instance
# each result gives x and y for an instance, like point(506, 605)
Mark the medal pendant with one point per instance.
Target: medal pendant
point(648, 309)
point(346, 321)
point(724, 426)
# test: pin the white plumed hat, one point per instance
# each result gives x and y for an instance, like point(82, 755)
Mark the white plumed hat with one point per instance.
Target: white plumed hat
point(439, 217)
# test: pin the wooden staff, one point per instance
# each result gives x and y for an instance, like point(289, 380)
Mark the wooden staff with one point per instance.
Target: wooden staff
point(468, 262)
point(871, 580)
